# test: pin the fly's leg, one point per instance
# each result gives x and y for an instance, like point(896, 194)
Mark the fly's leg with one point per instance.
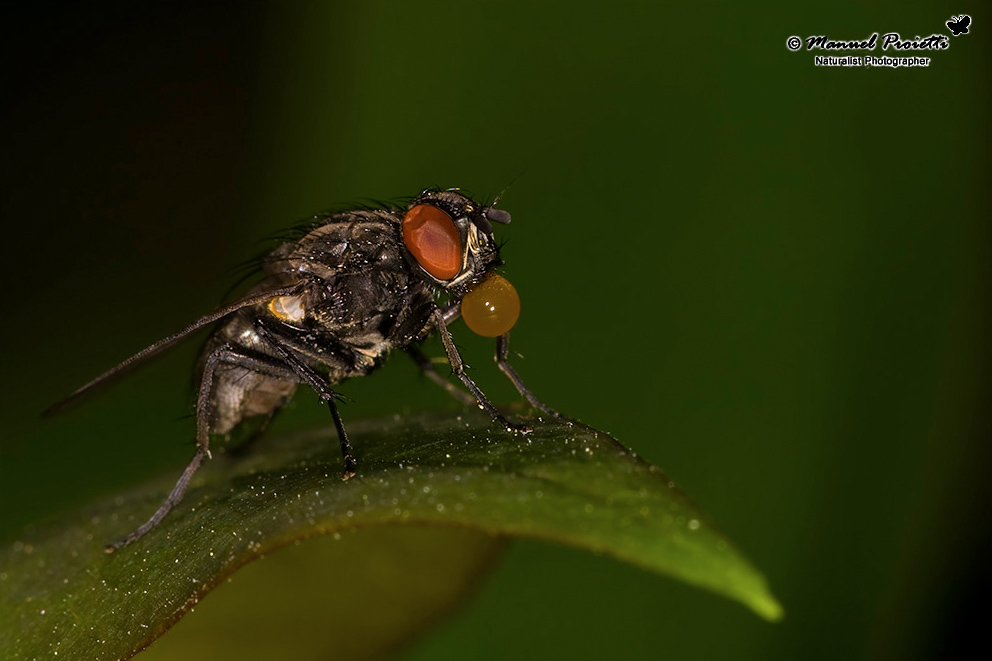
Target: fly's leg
point(458, 367)
point(427, 368)
point(412, 324)
point(222, 355)
point(174, 497)
point(448, 315)
point(320, 385)
point(451, 313)
point(350, 466)
point(502, 352)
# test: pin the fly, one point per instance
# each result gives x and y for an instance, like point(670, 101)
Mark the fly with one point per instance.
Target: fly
point(332, 304)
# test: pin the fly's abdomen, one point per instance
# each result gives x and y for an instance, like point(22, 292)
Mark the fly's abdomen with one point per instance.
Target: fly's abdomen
point(239, 390)
point(239, 394)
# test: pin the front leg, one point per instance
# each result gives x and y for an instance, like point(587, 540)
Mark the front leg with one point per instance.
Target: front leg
point(427, 369)
point(502, 352)
point(452, 312)
point(458, 367)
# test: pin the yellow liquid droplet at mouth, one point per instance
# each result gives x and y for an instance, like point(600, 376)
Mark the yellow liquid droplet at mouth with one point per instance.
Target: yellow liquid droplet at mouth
point(492, 308)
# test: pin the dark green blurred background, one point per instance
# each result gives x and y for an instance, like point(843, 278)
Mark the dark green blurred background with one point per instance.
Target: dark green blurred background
point(768, 278)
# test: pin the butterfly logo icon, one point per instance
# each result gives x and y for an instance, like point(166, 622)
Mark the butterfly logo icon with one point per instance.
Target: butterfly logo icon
point(959, 24)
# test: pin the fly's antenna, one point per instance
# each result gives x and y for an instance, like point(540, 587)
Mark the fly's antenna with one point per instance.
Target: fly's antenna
point(503, 192)
point(494, 215)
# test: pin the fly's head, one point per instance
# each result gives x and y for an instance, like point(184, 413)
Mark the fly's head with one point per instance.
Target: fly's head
point(449, 241)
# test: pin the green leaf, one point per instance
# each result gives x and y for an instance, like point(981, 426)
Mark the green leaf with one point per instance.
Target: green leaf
point(456, 484)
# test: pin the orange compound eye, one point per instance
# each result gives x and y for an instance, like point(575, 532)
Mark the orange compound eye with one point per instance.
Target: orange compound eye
point(432, 238)
point(492, 308)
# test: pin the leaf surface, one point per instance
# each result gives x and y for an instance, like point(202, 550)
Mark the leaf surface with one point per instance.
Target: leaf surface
point(454, 484)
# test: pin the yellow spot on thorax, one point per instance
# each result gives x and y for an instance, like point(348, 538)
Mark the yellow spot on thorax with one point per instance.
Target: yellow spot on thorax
point(287, 308)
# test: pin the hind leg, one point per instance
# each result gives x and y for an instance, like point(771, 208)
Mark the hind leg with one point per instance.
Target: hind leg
point(224, 355)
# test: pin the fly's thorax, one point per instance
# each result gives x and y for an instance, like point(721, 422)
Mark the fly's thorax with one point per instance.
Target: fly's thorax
point(343, 243)
point(351, 266)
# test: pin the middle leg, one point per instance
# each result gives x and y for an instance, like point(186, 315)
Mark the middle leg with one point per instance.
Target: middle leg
point(320, 385)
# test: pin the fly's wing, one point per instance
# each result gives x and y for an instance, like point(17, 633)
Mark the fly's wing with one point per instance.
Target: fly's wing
point(143, 356)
